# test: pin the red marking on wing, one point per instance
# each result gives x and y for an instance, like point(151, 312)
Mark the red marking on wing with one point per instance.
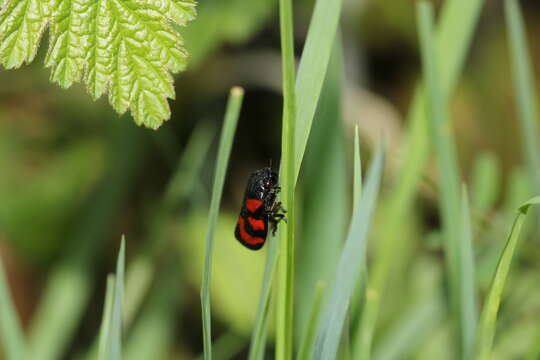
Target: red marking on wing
point(245, 236)
point(256, 224)
point(253, 204)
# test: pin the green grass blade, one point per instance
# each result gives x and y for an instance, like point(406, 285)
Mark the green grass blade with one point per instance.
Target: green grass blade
point(306, 346)
point(349, 268)
point(114, 334)
point(225, 144)
point(468, 301)
point(325, 167)
point(488, 318)
point(454, 35)
point(448, 169)
point(525, 90)
point(11, 333)
point(312, 70)
point(357, 179)
point(106, 318)
point(286, 262)
point(258, 337)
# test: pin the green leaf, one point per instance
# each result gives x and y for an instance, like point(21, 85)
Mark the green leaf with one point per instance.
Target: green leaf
point(119, 47)
point(225, 144)
point(11, 335)
point(488, 318)
point(21, 25)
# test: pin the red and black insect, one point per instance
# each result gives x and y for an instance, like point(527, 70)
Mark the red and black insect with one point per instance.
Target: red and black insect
point(259, 208)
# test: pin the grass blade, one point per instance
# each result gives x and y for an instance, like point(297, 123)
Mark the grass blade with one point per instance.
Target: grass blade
point(286, 263)
point(113, 347)
point(11, 333)
point(448, 169)
point(312, 70)
point(227, 135)
point(454, 35)
point(106, 318)
point(488, 318)
point(258, 337)
point(325, 167)
point(468, 301)
point(350, 266)
point(525, 90)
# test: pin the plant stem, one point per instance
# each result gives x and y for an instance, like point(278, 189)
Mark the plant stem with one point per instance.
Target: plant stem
point(285, 280)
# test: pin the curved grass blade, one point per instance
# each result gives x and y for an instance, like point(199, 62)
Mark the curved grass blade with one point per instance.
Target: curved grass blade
point(488, 319)
point(225, 143)
point(350, 266)
point(11, 333)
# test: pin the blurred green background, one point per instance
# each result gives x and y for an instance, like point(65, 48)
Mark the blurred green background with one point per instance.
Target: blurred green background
point(74, 176)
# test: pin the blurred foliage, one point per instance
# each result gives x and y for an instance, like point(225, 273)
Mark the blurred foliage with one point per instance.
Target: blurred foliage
point(59, 151)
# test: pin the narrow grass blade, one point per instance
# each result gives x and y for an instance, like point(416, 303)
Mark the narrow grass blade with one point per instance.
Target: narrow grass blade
point(225, 144)
point(488, 318)
point(306, 346)
point(454, 34)
point(11, 333)
point(106, 318)
point(468, 301)
point(448, 168)
point(525, 90)
point(312, 70)
point(357, 179)
point(349, 268)
point(258, 337)
point(113, 347)
point(286, 263)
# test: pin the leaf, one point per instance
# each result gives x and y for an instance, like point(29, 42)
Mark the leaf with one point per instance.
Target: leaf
point(127, 48)
point(488, 318)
